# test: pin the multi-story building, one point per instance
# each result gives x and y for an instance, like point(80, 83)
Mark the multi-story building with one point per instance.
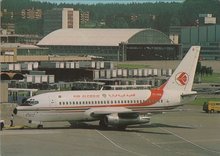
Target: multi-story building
point(66, 18)
point(31, 13)
point(134, 18)
point(9, 28)
point(6, 13)
point(84, 17)
point(206, 19)
point(206, 36)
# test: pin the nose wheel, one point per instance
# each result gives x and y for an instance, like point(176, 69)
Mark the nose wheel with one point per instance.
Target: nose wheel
point(39, 124)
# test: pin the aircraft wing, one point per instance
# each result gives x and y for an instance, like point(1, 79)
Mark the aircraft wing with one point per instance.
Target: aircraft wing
point(119, 117)
point(126, 114)
point(100, 112)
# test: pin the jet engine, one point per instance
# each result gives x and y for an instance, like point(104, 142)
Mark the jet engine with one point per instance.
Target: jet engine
point(125, 119)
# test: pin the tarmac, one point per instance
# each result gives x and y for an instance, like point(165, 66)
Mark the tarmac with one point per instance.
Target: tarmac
point(186, 133)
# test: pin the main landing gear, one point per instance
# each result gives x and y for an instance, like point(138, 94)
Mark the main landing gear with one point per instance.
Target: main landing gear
point(40, 126)
point(104, 125)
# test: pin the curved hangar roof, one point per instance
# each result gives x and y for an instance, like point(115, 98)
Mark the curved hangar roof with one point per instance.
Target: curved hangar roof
point(103, 37)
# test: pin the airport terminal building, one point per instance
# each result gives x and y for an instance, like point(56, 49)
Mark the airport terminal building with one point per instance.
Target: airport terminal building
point(112, 44)
point(208, 37)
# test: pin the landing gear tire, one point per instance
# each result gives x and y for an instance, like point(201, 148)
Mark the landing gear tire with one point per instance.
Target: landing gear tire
point(103, 124)
point(40, 126)
point(122, 128)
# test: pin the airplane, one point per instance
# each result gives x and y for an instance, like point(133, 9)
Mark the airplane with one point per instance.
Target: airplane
point(114, 108)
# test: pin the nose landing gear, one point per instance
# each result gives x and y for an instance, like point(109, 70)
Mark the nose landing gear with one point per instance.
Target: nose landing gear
point(39, 124)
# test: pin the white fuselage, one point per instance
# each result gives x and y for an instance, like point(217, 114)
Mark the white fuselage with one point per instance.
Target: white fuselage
point(78, 105)
point(115, 107)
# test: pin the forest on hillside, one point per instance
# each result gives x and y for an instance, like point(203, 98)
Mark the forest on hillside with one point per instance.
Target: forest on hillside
point(158, 15)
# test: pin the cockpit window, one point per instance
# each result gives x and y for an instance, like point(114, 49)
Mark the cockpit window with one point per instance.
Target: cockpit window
point(30, 102)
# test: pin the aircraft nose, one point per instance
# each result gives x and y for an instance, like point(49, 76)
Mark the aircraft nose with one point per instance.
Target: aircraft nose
point(15, 111)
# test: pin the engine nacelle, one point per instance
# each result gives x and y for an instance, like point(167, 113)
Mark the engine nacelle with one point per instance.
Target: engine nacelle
point(116, 119)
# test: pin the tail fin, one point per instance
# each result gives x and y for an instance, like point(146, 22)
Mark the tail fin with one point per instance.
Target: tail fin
point(183, 77)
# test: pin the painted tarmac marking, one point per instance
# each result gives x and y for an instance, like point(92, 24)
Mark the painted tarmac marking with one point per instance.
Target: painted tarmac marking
point(118, 146)
point(148, 140)
point(180, 142)
point(30, 132)
point(157, 145)
point(184, 139)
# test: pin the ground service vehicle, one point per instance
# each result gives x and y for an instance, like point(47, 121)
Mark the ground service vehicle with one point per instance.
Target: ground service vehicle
point(211, 106)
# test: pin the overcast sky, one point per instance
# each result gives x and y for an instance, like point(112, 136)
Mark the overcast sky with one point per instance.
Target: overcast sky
point(106, 1)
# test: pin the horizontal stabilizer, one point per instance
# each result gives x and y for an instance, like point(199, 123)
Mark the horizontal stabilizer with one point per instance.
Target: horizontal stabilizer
point(189, 94)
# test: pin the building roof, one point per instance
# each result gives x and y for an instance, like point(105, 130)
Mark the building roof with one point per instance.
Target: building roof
point(19, 46)
point(95, 37)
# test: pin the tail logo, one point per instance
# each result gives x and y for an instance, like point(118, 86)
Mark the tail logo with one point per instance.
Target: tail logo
point(182, 78)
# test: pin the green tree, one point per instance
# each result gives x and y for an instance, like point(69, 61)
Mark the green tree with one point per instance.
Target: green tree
point(192, 8)
point(198, 67)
